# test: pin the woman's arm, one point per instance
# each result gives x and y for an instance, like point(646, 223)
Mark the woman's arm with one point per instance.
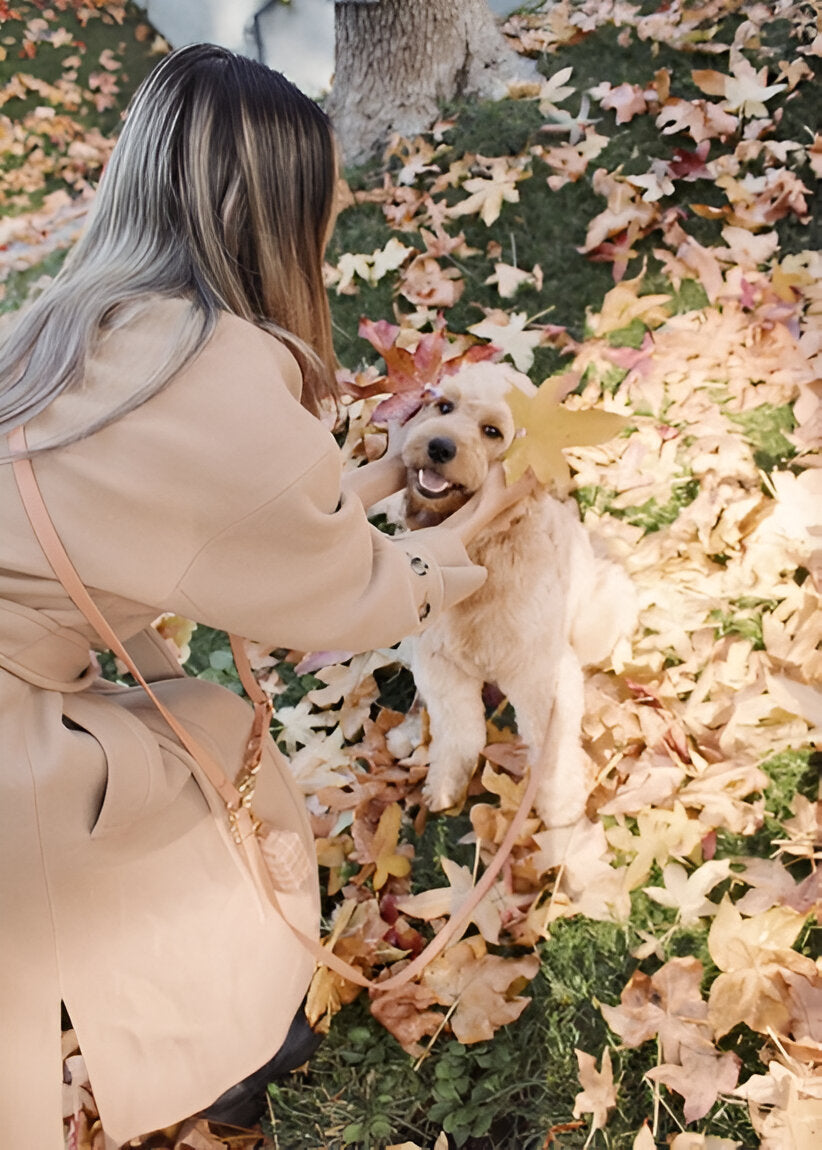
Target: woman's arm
point(307, 570)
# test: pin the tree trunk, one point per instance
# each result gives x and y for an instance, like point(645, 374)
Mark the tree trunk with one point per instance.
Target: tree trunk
point(398, 61)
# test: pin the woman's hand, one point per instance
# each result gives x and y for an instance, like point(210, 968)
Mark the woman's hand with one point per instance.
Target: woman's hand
point(491, 500)
point(385, 476)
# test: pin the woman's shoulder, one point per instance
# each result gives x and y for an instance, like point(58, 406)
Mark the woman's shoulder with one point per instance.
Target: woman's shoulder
point(239, 390)
point(233, 369)
point(248, 353)
point(152, 330)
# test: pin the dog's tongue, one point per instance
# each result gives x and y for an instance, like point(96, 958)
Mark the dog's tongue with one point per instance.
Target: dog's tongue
point(432, 482)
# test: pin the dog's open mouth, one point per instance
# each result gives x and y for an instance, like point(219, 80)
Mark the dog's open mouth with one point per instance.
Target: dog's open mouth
point(432, 485)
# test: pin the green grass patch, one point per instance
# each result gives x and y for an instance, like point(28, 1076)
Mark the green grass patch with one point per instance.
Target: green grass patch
point(765, 427)
point(652, 515)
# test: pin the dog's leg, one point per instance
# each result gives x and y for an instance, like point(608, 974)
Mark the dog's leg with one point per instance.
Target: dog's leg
point(457, 721)
point(549, 715)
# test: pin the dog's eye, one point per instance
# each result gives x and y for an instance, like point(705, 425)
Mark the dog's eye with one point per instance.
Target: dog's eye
point(445, 406)
point(491, 431)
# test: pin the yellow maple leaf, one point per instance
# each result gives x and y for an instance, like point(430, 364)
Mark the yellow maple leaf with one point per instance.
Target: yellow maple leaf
point(660, 836)
point(788, 284)
point(177, 631)
point(328, 993)
point(545, 427)
point(745, 90)
point(384, 847)
point(738, 943)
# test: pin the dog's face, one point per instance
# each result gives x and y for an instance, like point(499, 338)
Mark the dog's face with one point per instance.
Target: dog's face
point(462, 428)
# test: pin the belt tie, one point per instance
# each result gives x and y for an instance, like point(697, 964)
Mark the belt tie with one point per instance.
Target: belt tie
point(41, 652)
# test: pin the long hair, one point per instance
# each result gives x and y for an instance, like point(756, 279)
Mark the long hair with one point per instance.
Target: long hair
point(220, 189)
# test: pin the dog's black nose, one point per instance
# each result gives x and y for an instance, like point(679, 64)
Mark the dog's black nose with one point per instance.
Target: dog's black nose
point(440, 449)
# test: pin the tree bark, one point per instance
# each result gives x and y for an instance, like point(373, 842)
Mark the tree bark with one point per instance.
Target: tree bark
point(398, 61)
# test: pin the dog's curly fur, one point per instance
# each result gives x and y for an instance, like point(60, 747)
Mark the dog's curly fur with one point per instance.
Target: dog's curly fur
point(549, 607)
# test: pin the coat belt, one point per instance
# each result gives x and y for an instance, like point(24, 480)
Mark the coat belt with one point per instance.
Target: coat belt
point(36, 649)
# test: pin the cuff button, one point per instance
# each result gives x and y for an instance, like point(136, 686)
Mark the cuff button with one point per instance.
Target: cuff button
point(419, 566)
point(425, 610)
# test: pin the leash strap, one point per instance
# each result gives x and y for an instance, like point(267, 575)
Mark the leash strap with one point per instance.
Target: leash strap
point(236, 798)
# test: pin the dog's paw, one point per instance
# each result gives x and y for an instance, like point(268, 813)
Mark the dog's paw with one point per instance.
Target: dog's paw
point(442, 798)
point(564, 812)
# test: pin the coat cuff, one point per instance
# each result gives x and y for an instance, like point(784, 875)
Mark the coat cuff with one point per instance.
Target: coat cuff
point(443, 572)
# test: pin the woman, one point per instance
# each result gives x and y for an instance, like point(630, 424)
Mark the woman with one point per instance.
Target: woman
point(169, 380)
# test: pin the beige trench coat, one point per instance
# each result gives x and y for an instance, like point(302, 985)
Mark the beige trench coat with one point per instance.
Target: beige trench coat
point(219, 498)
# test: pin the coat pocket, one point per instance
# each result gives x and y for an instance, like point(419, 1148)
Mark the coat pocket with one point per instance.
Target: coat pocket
point(145, 771)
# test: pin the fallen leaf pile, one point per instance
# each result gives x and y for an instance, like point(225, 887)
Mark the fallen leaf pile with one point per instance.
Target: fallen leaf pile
point(703, 355)
point(56, 133)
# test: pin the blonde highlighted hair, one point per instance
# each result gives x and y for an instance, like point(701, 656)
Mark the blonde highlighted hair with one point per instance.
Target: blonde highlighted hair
point(220, 189)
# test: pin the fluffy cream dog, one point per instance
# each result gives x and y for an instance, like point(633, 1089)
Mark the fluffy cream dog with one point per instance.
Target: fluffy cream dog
point(549, 607)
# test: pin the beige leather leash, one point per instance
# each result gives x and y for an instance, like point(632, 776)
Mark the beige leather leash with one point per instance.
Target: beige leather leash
point(238, 796)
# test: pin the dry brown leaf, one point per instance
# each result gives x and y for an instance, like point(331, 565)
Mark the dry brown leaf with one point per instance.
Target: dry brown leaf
point(327, 995)
point(785, 1107)
point(507, 332)
point(510, 279)
point(598, 1094)
point(745, 90)
point(644, 1139)
point(772, 885)
point(661, 835)
point(489, 193)
point(751, 953)
point(626, 100)
point(440, 902)
point(626, 209)
point(690, 1140)
point(440, 1144)
point(702, 120)
point(701, 1077)
point(483, 986)
point(805, 998)
point(380, 846)
point(623, 304)
point(196, 1134)
point(426, 282)
point(404, 1013)
point(804, 829)
point(668, 1004)
point(686, 893)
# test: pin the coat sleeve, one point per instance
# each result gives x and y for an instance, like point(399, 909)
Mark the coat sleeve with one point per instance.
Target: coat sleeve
point(307, 570)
